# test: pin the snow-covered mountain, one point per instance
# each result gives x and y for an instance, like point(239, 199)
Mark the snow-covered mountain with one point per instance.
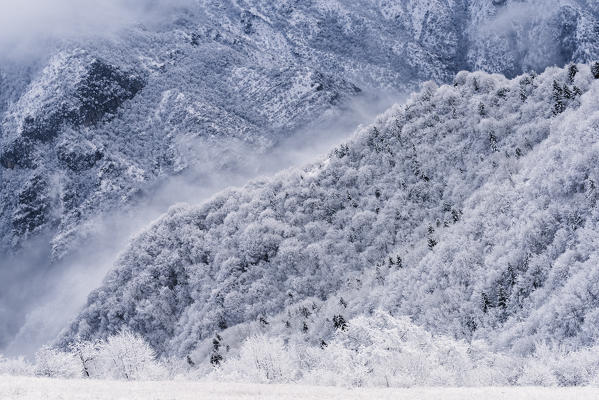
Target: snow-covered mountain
point(102, 121)
point(472, 209)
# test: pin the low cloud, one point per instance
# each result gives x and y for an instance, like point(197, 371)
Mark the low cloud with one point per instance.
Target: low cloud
point(27, 27)
point(532, 33)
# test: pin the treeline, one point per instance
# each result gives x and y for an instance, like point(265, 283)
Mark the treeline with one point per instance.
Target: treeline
point(368, 351)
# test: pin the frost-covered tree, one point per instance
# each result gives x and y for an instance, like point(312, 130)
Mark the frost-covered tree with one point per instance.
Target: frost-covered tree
point(54, 363)
point(127, 356)
point(261, 359)
point(88, 354)
point(15, 367)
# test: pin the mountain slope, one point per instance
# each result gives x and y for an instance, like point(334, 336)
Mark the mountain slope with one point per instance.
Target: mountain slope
point(471, 208)
point(105, 122)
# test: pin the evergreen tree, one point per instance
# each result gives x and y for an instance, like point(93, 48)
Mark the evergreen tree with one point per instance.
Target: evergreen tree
point(572, 71)
point(595, 70)
point(558, 97)
point(339, 322)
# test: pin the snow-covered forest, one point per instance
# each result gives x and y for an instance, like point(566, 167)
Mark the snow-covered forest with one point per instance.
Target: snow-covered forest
point(489, 241)
point(201, 193)
point(389, 263)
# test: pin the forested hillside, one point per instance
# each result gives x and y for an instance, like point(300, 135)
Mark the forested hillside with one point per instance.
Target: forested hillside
point(470, 209)
point(467, 211)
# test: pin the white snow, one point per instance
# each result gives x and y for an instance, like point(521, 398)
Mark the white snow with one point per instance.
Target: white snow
point(23, 388)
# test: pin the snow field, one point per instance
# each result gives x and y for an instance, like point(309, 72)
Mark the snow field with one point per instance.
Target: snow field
point(27, 388)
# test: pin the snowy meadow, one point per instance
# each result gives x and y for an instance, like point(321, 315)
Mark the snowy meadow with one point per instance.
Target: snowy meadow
point(54, 389)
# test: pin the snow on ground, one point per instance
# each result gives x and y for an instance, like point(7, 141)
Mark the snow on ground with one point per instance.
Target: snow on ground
point(25, 388)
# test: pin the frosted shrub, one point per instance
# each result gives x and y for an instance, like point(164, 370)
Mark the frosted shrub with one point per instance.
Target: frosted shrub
point(339, 366)
point(575, 369)
point(261, 359)
point(179, 368)
point(537, 373)
point(15, 367)
point(122, 356)
point(53, 363)
point(492, 369)
point(539, 368)
point(385, 351)
point(377, 350)
point(127, 356)
point(553, 365)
